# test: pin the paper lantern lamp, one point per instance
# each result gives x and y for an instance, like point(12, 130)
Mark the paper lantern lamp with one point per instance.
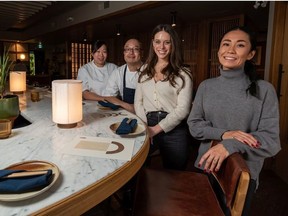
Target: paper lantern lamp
point(17, 81)
point(67, 103)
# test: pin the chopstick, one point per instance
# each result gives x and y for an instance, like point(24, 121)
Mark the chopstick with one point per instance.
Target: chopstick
point(26, 174)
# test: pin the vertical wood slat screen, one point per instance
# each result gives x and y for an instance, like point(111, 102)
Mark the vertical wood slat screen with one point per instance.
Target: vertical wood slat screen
point(80, 55)
point(218, 28)
point(190, 46)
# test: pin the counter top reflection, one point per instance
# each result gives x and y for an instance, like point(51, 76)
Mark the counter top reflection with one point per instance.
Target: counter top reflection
point(84, 181)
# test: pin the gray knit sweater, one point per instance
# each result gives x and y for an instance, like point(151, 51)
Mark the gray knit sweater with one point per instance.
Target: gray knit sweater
point(222, 104)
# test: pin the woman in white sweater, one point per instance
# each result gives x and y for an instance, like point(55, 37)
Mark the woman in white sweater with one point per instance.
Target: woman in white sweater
point(163, 97)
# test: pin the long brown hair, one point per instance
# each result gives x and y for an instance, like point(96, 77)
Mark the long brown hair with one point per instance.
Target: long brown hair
point(175, 64)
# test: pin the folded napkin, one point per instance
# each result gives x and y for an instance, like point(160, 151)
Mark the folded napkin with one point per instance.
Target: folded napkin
point(9, 184)
point(108, 104)
point(127, 126)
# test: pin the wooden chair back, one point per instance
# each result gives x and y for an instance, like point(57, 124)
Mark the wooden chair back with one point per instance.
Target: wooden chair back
point(234, 178)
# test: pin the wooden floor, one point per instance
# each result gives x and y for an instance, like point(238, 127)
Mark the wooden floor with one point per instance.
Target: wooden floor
point(271, 198)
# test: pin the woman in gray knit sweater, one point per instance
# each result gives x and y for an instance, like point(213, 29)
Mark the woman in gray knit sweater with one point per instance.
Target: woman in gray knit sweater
point(236, 109)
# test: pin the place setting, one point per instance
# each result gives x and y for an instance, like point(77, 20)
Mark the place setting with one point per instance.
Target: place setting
point(127, 127)
point(27, 179)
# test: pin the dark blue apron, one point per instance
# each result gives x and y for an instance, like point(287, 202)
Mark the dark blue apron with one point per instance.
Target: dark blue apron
point(128, 93)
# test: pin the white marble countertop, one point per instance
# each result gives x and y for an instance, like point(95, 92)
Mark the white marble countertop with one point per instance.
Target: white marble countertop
point(43, 140)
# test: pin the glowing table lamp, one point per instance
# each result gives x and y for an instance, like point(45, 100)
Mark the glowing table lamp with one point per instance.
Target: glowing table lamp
point(67, 102)
point(17, 81)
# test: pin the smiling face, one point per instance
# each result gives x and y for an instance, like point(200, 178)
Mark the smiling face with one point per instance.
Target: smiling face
point(100, 56)
point(162, 45)
point(234, 50)
point(132, 52)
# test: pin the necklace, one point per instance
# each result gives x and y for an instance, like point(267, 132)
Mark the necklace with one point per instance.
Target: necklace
point(158, 76)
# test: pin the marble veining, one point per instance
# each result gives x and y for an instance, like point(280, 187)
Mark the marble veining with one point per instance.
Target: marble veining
point(43, 140)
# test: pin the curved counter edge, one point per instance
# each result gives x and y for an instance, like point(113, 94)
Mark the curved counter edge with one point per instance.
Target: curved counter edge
point(89, 197)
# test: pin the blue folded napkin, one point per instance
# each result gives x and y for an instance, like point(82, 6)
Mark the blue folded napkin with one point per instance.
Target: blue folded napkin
point(127, 126)
point(24, 183)
point(108, 104)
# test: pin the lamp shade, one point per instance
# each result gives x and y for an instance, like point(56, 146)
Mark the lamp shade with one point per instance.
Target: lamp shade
point(67, 102)
point(17, 81)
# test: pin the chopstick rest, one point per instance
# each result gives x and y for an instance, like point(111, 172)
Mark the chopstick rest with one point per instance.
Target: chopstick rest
point(108, 104)
point(17, 181)
point(126, 126)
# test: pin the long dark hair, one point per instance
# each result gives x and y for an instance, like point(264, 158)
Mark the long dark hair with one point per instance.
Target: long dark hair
point(171, 71)
point(249, 67)
point(97, 44)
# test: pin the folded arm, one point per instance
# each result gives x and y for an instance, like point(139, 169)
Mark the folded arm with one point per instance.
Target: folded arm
point(117, 101)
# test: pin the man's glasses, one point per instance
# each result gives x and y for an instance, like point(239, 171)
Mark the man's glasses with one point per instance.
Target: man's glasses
point(135, 50)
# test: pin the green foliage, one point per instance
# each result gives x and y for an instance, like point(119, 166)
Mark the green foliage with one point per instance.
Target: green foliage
point(5, 65)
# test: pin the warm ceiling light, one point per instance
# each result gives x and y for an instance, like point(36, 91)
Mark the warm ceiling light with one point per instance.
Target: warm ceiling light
point(118, 29)
point(85, 36)
point(22, 56)
point(70, 19)
point(173, 18)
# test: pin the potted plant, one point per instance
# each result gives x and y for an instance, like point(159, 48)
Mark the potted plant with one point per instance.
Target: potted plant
point(9, 104)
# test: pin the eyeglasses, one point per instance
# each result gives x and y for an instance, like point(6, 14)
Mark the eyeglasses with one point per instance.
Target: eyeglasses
point(135, 50)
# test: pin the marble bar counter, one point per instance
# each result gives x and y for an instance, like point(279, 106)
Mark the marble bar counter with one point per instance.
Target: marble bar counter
point(84, 181)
